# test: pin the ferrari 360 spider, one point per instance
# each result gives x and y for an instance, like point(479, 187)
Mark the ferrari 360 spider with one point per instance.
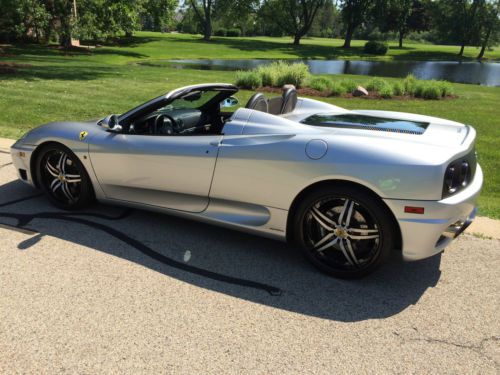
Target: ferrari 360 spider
point(346, 187)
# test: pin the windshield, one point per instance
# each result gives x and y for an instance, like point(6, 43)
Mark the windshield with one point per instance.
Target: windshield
point(194, 99)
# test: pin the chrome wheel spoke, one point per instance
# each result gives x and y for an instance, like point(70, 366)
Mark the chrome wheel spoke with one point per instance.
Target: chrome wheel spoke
point(349, 214)
point(56, 184)
point(323, 240)
point(73, 178)
point(62, 162)
point(344, 251)
point(364, 236)
point(329, 244)
point(351, 251)
point(362, 231)
point(343, 212)
point(67, 192)
point(322, 219)
point(51, 169)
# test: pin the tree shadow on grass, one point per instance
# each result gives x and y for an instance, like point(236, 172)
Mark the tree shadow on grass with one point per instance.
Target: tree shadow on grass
point(263, 48)
point(27, 51)
point(58, 72)
point(210, 257)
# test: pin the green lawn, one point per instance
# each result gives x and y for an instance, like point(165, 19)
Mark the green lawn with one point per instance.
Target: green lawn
point(58, 86)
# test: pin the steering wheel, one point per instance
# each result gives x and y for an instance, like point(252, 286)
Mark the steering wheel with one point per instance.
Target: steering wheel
point(160, 127)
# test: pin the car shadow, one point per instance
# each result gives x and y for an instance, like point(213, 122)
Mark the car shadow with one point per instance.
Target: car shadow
point(243, 266)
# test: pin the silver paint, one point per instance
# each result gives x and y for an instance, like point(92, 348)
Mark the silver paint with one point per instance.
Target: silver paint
point(248, 177)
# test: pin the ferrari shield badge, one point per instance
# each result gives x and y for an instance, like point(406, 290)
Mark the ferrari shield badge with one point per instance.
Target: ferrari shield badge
point(83, 135)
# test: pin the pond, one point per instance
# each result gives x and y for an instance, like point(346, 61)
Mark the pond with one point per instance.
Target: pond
point(482, 73)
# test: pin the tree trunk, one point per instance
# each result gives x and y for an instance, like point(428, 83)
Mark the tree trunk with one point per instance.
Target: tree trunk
point(462, 47)
point(128, 34)
point(207, 26)
point(348, 36)
point(296, 39)
point(401, 34)
point(485, 43)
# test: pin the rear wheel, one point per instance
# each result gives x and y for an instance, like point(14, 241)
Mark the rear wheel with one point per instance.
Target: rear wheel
point(63, 178)
point(344, 231)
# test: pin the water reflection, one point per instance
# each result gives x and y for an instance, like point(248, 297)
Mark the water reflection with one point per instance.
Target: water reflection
point(483, 73)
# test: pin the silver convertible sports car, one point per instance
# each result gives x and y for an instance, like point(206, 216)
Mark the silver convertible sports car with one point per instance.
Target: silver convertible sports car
point(346, 187)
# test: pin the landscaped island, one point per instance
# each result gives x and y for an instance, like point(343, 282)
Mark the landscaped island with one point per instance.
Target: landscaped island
point(280, 73)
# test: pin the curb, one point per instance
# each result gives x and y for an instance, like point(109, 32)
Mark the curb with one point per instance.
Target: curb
point(5, 144)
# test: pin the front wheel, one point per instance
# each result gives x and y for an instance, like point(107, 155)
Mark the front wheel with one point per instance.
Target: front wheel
point(344, 231)
point(63, 178)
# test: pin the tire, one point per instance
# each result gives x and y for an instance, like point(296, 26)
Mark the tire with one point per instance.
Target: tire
point(356, 247)
point(63, 178)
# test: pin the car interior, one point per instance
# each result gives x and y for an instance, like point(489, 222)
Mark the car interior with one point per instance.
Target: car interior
point(202, 112)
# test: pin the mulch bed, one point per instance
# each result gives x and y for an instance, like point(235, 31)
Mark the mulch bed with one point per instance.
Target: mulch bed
point(306, 91)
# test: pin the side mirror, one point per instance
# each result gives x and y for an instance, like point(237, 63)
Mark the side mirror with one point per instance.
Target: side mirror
point(111, 124)
point(229, 102)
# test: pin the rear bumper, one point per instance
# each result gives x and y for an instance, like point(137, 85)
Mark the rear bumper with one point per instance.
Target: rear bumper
point(428, 234)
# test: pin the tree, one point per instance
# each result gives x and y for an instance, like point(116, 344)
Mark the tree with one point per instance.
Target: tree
point(354, 13)
point(490, 26)
point(328, 22)
point(294, 17)
point(457, 21)
point(236, 14)
point(159, 13)
point(64, 13)
point(203, 10)
point(401, 16)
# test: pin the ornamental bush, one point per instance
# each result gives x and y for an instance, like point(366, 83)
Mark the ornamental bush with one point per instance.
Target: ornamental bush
point(248, 80)
point(386, 91)
point(336, 89)
point(233, 32)
point(321, 84)
point(376, 84)
point(398, 89)
point(376, 48)
point(349, 85)
point(295, 74)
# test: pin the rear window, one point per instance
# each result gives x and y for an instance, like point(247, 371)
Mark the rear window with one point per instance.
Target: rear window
point(364, 122)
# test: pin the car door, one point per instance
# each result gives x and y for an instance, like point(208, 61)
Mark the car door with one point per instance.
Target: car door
point(163, 171)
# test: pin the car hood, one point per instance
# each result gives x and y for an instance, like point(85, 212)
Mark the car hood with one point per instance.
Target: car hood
point(69, 130)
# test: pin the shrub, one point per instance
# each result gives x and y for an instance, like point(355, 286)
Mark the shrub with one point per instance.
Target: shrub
point(268, 74)
point(349, 85)
point(446, 88)
point(376, 48)
point(427, 90)
point(220, 32)
point(321, 84)
point(294, 74)
point(398, 89)
point(337, 89)
point(409, 84)
point(376, 84)
point(233, 32)
point(248, 80)
point(386, 91)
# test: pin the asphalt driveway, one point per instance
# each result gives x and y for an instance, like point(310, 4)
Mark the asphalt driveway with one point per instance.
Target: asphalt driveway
point(112, 290)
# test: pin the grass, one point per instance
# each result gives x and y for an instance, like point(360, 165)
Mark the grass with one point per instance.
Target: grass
point(60, 86)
